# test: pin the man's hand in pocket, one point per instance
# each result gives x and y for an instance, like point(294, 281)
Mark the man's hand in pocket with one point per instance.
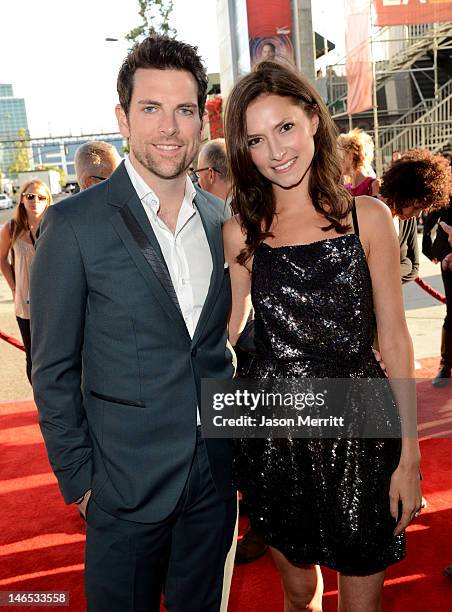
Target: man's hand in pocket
point(82, 505)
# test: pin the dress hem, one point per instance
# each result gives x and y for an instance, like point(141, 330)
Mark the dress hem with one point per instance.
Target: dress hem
point(332, 566)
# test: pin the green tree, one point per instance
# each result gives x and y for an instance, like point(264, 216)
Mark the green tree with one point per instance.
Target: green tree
point(155, 15)
point(21, 161)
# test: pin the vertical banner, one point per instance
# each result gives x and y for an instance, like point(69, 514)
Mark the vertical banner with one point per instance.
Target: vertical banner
point(411, 12)
point(359, 67)
point(270, 30)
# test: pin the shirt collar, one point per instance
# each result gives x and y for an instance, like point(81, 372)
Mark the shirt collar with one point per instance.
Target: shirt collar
point(148, 196)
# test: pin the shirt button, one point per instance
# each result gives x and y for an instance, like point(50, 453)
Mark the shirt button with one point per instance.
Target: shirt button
point(193, 352)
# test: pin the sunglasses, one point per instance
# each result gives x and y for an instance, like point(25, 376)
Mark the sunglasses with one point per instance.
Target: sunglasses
point(33, 196)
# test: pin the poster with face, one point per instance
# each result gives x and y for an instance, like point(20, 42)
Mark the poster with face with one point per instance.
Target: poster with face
point(270, 31)
point(278, 48)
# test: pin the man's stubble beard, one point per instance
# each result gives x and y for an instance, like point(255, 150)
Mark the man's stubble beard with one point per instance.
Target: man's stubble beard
point(148, 162)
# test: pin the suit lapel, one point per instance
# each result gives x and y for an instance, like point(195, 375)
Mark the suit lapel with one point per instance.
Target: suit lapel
point(212, 229)
point(134, 229)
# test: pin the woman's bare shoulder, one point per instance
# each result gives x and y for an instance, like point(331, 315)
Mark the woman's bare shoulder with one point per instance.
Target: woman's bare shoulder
point(233, 235)
point(371, 210)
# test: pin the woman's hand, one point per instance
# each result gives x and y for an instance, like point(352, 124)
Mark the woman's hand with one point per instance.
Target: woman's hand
point(379, 359)
point(405, 488)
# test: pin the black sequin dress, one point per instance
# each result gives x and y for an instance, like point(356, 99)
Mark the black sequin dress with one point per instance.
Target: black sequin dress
point(322, 501)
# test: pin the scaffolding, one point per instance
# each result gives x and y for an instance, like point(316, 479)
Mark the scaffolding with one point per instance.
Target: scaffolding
point(412, 90)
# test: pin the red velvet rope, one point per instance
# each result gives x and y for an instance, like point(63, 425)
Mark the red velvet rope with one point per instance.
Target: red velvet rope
point(13, 341)
point(435, 294)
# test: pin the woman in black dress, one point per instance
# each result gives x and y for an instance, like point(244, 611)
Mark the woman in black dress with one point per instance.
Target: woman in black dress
point(316, 268)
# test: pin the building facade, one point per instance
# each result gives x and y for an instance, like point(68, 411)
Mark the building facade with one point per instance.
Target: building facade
point(60, 151)
point(13, 119)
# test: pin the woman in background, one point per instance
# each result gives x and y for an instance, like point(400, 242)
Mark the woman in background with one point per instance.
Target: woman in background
point(17, 239)
point(357, 154)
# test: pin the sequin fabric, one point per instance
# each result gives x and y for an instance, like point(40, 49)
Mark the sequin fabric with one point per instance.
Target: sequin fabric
point(323, 501)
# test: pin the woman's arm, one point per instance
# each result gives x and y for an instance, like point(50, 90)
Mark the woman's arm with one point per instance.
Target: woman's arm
point(5, 266)
point(383, 255)
point(234, 242)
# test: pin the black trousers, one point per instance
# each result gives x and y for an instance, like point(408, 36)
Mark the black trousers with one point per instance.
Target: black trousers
point(447, 280)
point(24, 328)
point(128, 565)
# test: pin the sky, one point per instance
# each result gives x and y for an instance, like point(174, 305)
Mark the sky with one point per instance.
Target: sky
point(55, 54)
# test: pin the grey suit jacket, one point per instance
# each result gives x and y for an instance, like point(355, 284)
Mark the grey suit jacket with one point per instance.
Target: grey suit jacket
point(116, 376)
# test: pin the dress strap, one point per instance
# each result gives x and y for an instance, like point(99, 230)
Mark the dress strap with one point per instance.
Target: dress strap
point(355, 218)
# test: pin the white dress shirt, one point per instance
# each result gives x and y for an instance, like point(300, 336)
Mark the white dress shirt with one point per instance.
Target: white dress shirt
point(186, 252)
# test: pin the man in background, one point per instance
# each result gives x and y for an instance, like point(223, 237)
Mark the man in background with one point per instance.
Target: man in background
point(212, 169)
point(95, 161)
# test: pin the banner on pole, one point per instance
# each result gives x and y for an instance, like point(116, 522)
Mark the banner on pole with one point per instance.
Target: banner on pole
point(358, 65)
point(411, 12)
point(270, 30)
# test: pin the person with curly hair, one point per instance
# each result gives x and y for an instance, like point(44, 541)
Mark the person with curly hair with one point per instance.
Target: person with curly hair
point(357, 153)
point(417, 183)
point(422, 182)
point(436, 247)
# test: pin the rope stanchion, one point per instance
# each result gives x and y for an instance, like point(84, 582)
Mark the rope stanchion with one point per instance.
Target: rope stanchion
point(13, 341)
point(422, 284)
point(426, 287)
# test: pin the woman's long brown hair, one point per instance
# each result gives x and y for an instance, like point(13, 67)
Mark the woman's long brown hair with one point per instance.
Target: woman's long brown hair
point(252, 194)
point(20, 224)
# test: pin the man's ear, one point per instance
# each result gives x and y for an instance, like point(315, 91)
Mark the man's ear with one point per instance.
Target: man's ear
point(123, 122)
point(87, 182)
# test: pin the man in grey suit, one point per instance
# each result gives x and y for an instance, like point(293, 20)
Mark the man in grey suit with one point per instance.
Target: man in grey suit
point(129, 304)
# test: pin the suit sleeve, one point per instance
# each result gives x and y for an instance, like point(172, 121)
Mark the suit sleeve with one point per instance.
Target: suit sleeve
point(58, 297)
point(409, 265)
point(227, 211)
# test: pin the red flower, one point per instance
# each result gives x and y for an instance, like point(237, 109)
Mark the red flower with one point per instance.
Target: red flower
point(214, 110)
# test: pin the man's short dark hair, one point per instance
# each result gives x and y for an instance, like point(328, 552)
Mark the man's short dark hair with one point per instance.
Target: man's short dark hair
point(214, 153)
point(162, 53)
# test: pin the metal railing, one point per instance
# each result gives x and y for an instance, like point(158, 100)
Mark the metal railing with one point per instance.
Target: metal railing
point(388, 133)
point(420, 38)
point(432, 130)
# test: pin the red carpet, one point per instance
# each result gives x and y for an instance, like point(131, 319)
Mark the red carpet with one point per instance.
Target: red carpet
point(42, 540)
